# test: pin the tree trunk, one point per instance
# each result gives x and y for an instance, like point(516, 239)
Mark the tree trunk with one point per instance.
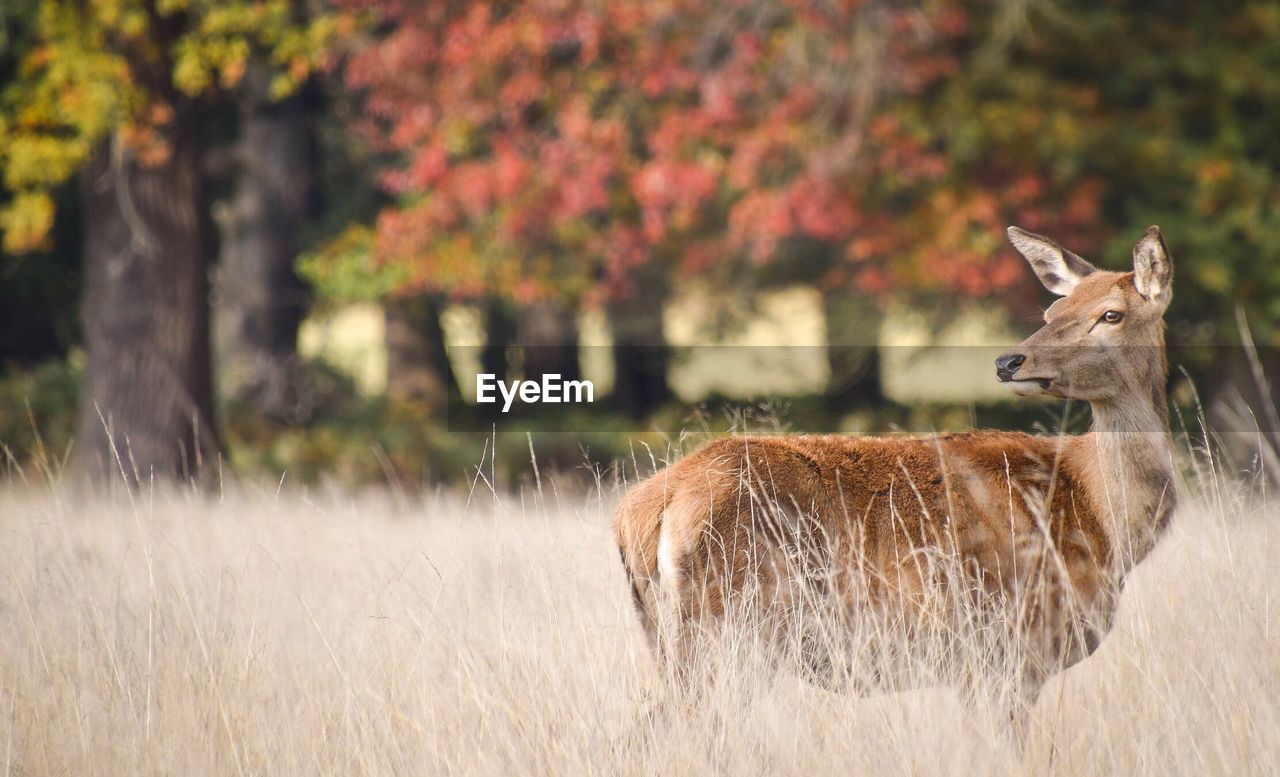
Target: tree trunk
point(417, 366)
point(260, 301)
point(640, 357)
point(499, 334)
point(853, 341)
point(146, 400)
point(548, 336)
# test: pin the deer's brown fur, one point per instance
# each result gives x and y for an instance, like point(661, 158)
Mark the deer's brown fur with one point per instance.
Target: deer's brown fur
point(1058, 519)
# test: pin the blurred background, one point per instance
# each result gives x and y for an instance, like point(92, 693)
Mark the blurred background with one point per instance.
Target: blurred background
point(284, 235)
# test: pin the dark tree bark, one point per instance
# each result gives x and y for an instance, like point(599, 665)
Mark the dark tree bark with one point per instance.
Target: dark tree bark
point(146, 397)
point(260, 300)
point(548, 337)
point(640, 356)
point(418, 367)
point(853, 340)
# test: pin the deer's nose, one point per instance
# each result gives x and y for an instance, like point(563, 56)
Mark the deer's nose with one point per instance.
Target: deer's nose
point(1008, 364)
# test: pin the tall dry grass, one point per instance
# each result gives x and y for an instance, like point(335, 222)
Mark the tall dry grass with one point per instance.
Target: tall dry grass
point(268, 633)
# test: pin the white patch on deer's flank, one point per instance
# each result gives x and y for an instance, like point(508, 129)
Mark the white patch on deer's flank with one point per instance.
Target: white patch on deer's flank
point(666, 554)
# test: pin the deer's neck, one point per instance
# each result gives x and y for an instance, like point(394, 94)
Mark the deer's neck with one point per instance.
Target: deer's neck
point(1129, 471)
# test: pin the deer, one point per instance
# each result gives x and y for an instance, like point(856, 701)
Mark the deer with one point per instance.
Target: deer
point(1042, 529)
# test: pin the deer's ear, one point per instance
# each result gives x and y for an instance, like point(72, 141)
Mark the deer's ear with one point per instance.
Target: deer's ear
point(1056, 267)
point(1152, 268)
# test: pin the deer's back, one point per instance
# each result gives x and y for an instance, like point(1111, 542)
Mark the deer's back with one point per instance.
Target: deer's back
point(867, 512)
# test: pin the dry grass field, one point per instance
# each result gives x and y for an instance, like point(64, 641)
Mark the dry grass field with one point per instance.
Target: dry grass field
point(316, 633)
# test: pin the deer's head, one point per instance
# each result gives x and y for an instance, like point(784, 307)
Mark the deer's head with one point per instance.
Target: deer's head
point(1103, 341)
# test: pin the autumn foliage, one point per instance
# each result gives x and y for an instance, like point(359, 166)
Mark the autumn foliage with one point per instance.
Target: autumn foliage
point(549, 147)
point(120, 71)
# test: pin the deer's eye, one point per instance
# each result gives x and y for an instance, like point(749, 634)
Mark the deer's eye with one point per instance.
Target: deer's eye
point(1112, 317)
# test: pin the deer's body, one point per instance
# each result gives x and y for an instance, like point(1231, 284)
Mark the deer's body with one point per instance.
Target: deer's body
point(1046, 525)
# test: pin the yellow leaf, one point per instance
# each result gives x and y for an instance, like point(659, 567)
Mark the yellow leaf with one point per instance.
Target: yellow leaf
point(190, 73)
point(169, 7)
point(282, 86)
point(32, 160)
point(26, 222)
